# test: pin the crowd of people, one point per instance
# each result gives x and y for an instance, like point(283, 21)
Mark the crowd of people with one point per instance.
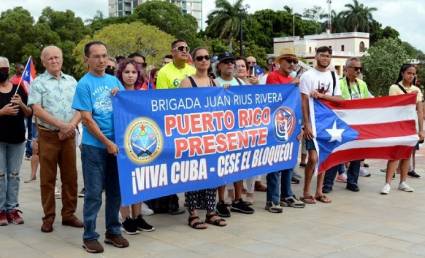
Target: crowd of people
point(59, 104)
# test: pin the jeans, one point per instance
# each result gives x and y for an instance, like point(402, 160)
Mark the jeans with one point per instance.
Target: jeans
point(28, 146)
point(273, 194)
point(100, 172)
point(352, 174)
point(10, 164)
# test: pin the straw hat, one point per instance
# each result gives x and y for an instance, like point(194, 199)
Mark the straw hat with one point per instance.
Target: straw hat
point(287, 52)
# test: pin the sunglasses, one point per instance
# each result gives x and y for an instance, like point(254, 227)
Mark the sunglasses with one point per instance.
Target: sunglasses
point(200, 58)
point(252, 62)
point(357, 69)
point(292, 61)
point(110, 67)
point(182, 49)
point(4, 69)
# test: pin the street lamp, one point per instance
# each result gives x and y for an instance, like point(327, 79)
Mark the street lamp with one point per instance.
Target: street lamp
point(242, 12)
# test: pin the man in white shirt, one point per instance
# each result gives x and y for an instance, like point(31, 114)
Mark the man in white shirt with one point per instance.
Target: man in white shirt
point(318, 83)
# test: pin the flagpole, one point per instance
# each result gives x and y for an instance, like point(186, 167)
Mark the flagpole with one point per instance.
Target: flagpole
point(22, 76)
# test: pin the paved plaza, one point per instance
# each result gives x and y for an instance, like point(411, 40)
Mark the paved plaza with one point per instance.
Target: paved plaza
point(363, 224)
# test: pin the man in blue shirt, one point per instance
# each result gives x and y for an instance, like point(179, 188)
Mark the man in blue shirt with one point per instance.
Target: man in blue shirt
point(98, 154)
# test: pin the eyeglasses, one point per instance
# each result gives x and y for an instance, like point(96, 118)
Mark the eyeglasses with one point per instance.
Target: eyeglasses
point(200, 58)
point(182, 49)
point(357, 69)
point(292, 61)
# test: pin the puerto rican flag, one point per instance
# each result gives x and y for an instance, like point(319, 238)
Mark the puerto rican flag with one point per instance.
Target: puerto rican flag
point(375, 128)
point(28, 75)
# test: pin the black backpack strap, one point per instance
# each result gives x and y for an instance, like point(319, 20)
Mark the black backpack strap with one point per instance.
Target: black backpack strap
point(334, 82)
point(212, 83)
point(402, 88)
point(192, 81)
point(239, 81)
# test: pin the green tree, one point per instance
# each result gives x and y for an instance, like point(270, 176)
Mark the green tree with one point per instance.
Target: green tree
point(170, 19)
point(123, 39)
point(16, 30)
point(358, 16)
point(69, 30)
point(225, 21)
point(382, 64)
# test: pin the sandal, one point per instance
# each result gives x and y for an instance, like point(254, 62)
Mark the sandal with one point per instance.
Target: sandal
point(308, 199)
point(323, 198)
point(199, 224)
point(217, 221)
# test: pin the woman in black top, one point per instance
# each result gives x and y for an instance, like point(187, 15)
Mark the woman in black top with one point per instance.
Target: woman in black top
point(202, 199)
point(13, 110)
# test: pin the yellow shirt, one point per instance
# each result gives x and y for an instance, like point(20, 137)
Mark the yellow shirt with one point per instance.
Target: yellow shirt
point(170, 77)
point(395, 90)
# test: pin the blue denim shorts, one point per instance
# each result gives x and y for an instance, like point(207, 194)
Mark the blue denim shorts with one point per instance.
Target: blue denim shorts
point(309, 145)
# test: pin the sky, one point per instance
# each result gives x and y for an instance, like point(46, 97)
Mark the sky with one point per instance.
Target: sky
point(406, 16)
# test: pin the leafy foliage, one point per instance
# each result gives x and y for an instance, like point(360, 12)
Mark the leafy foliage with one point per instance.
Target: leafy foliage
point(123, 39)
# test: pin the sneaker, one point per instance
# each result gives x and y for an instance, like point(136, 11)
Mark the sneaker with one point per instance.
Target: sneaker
point(92, 246)
point(386, 189)
point(363, 172)
point(14, 216)
point(273, 208)
point(146, 211)
point(353, 187)
point(129, 226)
point(116, 240)
point(242, 207)
point(342, 178)
point(222, 210)
point(403, 186)
point(292, 201)
point(413, 174)
point(142, 225)
point(81, 193)
point(3, 219)
point(57, 193)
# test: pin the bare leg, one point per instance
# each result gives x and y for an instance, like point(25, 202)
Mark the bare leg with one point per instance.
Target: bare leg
point(136, 210)
point(238, 189)
point(221, 190)
point(125, 212)
point(309, 170)
point(404, 167)
point(320, 180)
point(391, 167)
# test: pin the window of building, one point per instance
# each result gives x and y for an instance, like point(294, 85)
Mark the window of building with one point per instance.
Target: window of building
point(362, 47)
point(342, 48)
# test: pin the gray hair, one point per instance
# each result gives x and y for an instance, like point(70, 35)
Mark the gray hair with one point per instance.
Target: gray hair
point(51, 47)
point(350, 60)
point(4, 62)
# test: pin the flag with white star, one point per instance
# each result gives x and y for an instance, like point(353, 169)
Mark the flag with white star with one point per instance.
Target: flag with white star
point(376, 128)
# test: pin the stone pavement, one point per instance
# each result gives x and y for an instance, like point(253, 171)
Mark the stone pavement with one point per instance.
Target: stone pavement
point(363, 224)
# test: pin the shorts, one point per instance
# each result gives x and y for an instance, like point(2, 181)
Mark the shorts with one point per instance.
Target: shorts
point(309, 145)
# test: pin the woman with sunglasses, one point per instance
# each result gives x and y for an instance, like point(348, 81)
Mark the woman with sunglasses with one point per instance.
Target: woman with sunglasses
point(13, 110)
point(131, 76)
point(202, 199)
point(404, 84)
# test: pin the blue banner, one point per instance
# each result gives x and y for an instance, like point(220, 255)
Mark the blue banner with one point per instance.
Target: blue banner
point(180, 140)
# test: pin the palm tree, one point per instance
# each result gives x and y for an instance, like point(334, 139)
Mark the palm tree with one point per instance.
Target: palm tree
point(358, 16)
point(225, 21)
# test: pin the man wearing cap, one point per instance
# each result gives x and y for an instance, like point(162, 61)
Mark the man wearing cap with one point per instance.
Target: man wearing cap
point(287, 61)
point(226, 78)
point(171, 74)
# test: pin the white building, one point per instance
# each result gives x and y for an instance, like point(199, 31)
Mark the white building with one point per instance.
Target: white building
point(119, 8)
point(344, 46)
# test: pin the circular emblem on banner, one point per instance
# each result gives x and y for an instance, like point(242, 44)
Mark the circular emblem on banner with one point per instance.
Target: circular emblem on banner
point(143, 140)
point(284, 123)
